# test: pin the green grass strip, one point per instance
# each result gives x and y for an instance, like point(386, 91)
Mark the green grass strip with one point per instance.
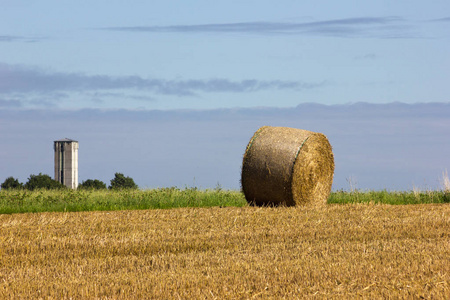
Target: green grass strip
point(23, 201)
point(386, 197)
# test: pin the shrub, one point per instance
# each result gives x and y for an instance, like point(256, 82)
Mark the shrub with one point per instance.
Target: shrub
point(122, 182)
point(11, 183)
point(42, 181)
point(93, 184)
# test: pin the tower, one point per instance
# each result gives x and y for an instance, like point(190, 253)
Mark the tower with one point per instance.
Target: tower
point(66, 162)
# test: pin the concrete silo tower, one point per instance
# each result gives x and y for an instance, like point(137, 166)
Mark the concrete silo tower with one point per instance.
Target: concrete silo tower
point(66, 162)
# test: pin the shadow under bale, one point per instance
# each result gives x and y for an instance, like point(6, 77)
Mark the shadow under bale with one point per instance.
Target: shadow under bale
point(287, 166)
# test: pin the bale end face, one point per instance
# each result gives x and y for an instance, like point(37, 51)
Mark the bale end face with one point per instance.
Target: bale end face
point(313, 171)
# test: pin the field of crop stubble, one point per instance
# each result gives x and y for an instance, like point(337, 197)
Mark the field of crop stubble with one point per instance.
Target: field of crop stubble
point(353, 250)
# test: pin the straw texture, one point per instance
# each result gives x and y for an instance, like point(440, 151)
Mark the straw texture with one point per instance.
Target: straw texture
point(287, 166)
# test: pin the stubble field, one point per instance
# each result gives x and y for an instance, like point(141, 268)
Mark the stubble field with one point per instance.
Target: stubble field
point(330, 251)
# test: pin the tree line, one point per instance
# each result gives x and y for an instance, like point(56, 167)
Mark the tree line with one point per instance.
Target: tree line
point(43, 181)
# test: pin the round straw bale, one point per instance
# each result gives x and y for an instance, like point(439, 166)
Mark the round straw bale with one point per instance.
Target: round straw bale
point(287, 166)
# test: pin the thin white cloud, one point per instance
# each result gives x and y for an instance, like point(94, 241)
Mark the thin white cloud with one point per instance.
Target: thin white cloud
point(9, 38)
point(99, 96)
point(18, 79)
point(13, 38)
point(379, 27)
point(441, 20)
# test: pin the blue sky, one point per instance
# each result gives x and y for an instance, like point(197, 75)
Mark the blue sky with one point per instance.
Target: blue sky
point(203, 54)
point(194, 71)
point(376, 146)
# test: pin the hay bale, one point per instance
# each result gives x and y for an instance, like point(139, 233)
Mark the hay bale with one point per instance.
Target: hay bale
point(287, 166)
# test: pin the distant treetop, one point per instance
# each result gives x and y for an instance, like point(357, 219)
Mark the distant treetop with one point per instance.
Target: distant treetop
point(122, 182)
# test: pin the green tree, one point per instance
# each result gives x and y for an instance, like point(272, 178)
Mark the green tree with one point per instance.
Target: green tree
point(42, 181)
point(122, 182)
point(11, 183)
point(93, 184)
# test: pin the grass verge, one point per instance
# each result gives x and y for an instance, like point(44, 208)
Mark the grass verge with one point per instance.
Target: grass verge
point(23, 201)
point(385, 197)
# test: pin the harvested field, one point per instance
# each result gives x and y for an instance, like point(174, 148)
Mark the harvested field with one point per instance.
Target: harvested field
point(332, 251)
